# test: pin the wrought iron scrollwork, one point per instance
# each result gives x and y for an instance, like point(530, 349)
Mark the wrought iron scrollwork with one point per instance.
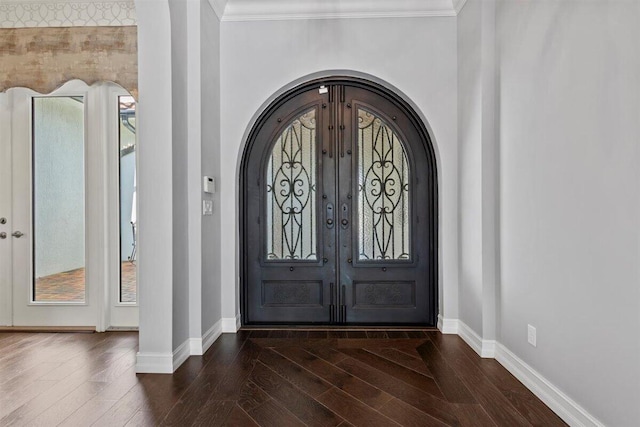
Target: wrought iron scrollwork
point(383, 188)
point(291, 187)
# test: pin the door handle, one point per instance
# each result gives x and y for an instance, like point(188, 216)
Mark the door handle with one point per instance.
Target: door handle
point(17, 234)
point(345, 216)
point(3, 235)
point(329, 215)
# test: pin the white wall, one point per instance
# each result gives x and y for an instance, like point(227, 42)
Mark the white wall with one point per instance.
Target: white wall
point(211, 163)
point(470, 163)
point(570, 207)
point(155, 194)
point(416, 55)
point(180, 152)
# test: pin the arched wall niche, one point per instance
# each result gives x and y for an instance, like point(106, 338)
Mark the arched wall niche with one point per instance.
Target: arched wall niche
point(44, 59)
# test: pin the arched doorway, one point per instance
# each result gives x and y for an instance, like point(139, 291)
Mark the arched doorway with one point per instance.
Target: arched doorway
point(339, 210)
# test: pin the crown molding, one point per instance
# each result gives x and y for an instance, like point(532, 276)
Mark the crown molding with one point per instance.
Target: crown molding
point(270, 10)
point(85, 13)
point(218, 7)
point(458, 5)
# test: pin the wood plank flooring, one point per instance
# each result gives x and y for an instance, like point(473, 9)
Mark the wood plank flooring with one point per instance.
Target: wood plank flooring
point(263, 378)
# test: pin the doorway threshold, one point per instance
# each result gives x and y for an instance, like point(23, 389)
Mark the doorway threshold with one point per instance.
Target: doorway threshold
point(336, 328)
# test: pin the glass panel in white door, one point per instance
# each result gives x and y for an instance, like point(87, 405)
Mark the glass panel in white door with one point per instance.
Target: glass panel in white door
point(58, 199)
point(121, 143)
point(128, 214)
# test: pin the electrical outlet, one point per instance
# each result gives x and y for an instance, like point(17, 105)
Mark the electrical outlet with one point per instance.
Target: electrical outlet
point(531, 335)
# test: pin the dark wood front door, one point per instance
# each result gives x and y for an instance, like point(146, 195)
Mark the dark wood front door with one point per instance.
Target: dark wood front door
point(339, 210)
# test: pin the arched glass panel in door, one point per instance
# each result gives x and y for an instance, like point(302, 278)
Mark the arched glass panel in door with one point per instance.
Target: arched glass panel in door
point(384, 231)
point(290, 192)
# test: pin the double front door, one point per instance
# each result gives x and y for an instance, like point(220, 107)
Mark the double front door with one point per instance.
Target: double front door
point(339, 221)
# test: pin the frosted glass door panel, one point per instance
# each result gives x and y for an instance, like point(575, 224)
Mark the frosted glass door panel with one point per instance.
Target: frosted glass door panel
point(383, 191)
point(291, 192)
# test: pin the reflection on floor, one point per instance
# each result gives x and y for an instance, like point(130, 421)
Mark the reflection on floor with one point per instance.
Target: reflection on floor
point(68, 286)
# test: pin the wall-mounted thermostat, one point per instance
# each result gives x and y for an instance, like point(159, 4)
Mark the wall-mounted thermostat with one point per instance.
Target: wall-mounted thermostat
point(208, 184)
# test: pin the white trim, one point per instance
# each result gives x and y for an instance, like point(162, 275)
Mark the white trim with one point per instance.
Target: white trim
point(199, 346)
point(181, 354)
point(470, 337)
point(485, 348)
point(79, 13)
point(218, 7)
point(458, 5)
point(488, 350)
point(447, 326)
point(195, 347)
point(269, 10)
point(154, 363)
point(211, 336)
point(566, 408)
point(231, 324)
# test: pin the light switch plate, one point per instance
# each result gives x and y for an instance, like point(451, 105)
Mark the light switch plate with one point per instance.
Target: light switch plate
point(207, 207)
point(531, 335)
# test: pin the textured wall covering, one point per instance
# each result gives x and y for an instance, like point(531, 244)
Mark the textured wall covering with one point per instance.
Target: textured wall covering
point(67, 14)
point(43, 59)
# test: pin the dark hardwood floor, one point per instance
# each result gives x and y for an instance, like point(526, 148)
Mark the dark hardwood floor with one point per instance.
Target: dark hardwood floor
point(263, 378)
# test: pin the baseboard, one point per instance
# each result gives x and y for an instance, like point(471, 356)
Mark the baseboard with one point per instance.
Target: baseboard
point(181, 354)
point(485, 348)
point(199, 346)
point(488, 350)
point(447, 326)
point(154, 363)
point(231, 324)
point(211, 335)
point(51, 329)
point(566, 408)
point(195, 347)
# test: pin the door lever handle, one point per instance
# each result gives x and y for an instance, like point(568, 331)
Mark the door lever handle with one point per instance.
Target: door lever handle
point(329, 215)
point(345, 216)
point(17, 234)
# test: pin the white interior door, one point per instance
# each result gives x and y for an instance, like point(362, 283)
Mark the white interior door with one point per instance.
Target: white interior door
point(51, 227)
point(63, 228)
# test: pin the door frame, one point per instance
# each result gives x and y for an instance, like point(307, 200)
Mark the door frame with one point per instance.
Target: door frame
point(426, 142)
point(6, 206)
